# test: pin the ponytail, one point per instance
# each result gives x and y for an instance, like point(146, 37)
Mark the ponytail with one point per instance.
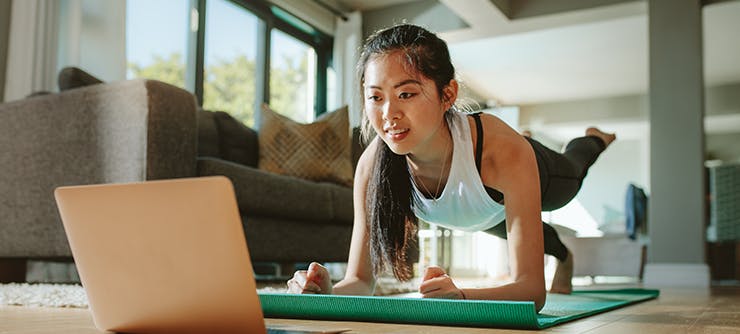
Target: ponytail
point(391, 219)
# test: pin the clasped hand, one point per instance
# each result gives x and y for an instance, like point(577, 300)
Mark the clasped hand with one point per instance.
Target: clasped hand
point(437, 284)
point(316, 280)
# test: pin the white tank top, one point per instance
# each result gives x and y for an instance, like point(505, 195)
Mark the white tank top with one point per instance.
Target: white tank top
point(464, 203)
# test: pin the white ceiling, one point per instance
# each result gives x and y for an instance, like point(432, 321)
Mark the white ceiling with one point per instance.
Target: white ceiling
point(363, 5)
point(577, 55)
point(582, 54)
point(564, 63)
point(572, 55)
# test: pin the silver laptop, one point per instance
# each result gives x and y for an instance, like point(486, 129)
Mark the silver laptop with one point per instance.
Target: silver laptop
point(163, 256)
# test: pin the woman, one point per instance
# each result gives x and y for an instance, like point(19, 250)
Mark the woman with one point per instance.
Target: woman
point(461, 171)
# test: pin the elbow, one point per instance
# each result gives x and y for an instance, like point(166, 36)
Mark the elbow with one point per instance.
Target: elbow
point(539, 294)
point(539, 300)
point(536, 292)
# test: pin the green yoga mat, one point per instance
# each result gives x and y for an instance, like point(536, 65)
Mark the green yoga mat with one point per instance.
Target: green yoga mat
point(468, 313)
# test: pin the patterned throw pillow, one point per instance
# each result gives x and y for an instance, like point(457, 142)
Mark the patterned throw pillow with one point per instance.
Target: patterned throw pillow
point(320, 151)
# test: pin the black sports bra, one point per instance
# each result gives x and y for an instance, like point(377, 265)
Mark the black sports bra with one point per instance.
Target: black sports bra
point(496, 195)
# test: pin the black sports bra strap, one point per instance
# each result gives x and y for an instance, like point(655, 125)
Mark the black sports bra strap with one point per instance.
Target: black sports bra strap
point(479, 141)
point(496, 195)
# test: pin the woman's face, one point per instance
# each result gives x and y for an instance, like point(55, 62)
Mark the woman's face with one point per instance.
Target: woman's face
point(402, 105)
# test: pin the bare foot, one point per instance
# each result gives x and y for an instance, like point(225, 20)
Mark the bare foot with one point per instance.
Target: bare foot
point(561, 282)
point(608, 138)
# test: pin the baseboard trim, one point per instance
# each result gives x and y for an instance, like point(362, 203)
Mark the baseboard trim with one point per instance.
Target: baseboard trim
point(676, 275)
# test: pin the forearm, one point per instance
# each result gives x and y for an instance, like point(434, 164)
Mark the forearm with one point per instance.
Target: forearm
point(522, 290)
point(354, 286)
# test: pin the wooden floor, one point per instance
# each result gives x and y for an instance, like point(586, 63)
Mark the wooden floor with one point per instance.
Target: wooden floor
point(715, 310)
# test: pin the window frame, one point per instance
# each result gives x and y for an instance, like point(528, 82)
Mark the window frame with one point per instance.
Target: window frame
point(321, 42)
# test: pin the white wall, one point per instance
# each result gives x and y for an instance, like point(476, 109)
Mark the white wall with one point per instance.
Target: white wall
point(347, 42)
point(48, 35)
point(92, 36)
point(31, 48)
point(4, 33)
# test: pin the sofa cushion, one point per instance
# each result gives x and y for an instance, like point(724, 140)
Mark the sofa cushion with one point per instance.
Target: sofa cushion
point(261, 193)
point(290, 240)
point(237, 142)
point(222, 136)
point(320, 151)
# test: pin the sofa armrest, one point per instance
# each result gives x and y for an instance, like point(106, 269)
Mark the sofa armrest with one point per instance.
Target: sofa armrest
point(172, 134)
point(118, 132)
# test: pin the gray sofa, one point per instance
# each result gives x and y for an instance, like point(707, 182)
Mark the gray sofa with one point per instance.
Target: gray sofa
point(286, 219)
point(143, 130)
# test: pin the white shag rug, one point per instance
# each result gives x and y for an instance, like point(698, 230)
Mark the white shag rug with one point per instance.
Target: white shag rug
point(43, 295)
point(56, 295)
point(73, 295)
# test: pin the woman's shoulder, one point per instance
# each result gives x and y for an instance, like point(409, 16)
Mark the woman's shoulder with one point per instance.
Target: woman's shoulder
point(493, 128)
point(499, 139)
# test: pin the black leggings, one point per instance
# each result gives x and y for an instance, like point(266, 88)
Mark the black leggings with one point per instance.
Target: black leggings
point(561, 176)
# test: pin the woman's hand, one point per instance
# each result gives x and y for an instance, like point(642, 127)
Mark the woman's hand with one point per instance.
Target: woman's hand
point(315, 280)
point(437, 284)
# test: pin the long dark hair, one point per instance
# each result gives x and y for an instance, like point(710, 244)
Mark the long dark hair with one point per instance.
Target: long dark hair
point(389, 197)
